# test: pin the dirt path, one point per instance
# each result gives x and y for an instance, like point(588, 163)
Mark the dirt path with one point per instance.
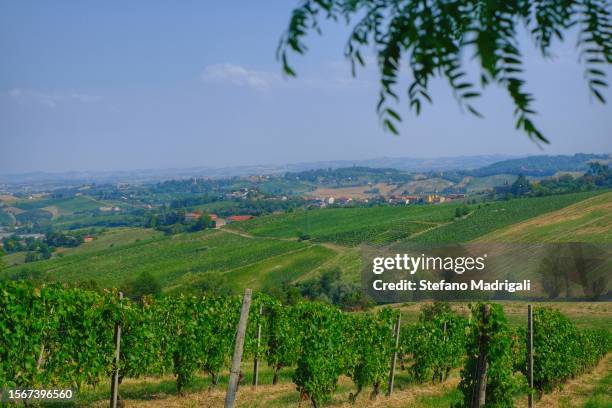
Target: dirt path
point(285, 395)
point(236, 232)
point(575, 392)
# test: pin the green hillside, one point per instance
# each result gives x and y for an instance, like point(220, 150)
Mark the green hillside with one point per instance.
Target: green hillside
point(170, 258)
point(61, 206)
point(586, 221)
point(540, 165)
point(422, 223)
point(352, 226)
point(6, 218)
point(496, 215)
point(490, 182)
point(265, 252)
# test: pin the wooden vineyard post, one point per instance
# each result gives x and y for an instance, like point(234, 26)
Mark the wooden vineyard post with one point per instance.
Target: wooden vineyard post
point(256, 361)
point(232, 386)
point(530, 355)
point(394, 358)
point(443, 373)
point(479, 397)
point(115, 378)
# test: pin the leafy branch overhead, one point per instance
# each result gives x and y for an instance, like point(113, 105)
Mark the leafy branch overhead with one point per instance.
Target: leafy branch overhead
point(431, 35)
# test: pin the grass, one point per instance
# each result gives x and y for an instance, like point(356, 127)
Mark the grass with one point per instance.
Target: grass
point(419, 223)
point(6, 218)
point(282, 268)
point(489, 182)
point(496, 215)
point(594, 315)
point(16, 258)
point(602, 393)
point(447, 399)
point(116, 237)
point(352, 226)
point(161, 392)
point(64, 206)
point(586, 221)
point(119, 256)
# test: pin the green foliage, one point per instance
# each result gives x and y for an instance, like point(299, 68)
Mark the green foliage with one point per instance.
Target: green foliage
point(2, 254)
point(323, 349)
point(521, 186)
point(34, 217)
point(143, 284)
point(497, 215)
point(432, 37)
point(54, 335)
point(6, 218)
point(461, 211)
point(502, 382)
point(283, 340)
point(561, 351)
point(330, 286)
point(598, 176)
point(538, 166)
point(436, 343)
point(168, 259)
point(352, 226)
point(64, 337)
point(59, 336)
point(370, 345)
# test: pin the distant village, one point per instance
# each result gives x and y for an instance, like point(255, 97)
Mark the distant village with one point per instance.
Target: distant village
point(431, 198)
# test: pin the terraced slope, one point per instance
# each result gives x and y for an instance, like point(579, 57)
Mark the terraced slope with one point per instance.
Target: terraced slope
point(253, 260)
point(421, 223)
point(497, 215)
point(352, 226)
point(264, 251)
point(586, 221)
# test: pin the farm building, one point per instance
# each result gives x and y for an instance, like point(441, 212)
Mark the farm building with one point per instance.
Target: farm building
point(193, 216)
point(238, 218)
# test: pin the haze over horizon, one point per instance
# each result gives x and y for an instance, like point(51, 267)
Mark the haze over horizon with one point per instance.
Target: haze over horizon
point(461, 161)
point(121, 87)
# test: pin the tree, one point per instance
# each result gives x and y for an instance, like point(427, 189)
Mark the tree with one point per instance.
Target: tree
point(2, 264)
point(143, 284)
point(521, 186)
point(205, 221)
point(432, 35)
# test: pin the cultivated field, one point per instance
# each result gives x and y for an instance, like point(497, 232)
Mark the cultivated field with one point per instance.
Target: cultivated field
point(586, 221)
point(114, 259)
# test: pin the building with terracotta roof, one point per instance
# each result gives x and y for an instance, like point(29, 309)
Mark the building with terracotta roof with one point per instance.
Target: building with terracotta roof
point(235, 218)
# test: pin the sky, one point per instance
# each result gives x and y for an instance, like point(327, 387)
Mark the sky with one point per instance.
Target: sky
point(156, 84)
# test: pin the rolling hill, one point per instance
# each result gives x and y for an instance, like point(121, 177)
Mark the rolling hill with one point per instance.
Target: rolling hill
point(499, 214)
point(540, 165)
point(424, 223)
point(265, 252)
point(115, 260)
point(586, 221)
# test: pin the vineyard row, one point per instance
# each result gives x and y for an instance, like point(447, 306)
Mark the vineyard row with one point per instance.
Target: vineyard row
point(58, 336)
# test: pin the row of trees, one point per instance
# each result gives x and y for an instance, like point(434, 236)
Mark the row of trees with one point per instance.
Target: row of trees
point(598, 176)
point(42, 248)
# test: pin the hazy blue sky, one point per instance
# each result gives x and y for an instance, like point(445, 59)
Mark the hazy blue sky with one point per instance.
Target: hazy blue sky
point(155, 84)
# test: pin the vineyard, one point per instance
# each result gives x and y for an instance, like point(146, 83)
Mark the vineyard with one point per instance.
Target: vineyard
point(175, 260)
point(64, 337)
point(351, 226)
point(424, 223)
point(498, 215)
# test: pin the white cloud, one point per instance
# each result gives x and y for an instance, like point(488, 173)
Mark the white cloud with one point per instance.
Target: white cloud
point(333, 75)
point(50, 99)
point(238, 75)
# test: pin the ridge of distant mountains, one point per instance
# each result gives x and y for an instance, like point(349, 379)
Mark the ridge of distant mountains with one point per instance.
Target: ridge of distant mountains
point(540, 166)
point(478, 165)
